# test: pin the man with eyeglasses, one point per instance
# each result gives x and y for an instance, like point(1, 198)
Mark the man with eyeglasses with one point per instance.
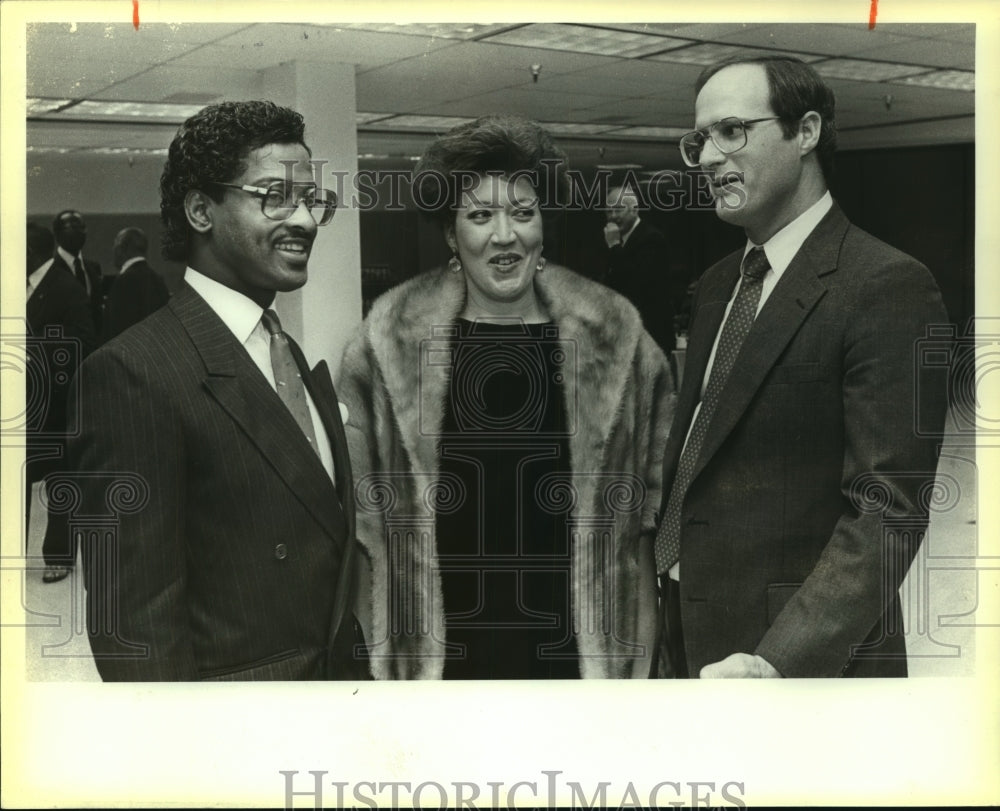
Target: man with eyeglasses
point(232, 557)
point(796, 488)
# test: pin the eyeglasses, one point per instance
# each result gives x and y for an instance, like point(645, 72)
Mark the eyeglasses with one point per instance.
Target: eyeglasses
point(280, 202)
point(729, 135)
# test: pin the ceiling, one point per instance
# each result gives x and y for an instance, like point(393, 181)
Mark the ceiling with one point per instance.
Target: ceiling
point(640, 76)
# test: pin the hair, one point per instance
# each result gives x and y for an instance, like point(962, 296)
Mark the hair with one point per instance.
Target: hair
point(214, 145)
point(795, 89)
point(131, 242)
point(491, 145)
point(41, 243)
point(57, 222)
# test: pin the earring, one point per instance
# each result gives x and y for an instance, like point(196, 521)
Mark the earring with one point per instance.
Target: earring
point(541, 264)
point(455, 264)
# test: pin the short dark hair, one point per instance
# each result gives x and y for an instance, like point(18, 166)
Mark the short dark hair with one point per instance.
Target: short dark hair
point(795, 88)
point(131, 242)
point(502, 145)
point(214, 144)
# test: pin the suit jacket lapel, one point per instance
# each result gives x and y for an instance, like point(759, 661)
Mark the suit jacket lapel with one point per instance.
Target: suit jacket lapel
point(796, 294)
point(236, 383)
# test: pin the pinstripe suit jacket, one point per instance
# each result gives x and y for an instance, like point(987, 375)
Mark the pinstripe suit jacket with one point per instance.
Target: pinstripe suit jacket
point(231, 556)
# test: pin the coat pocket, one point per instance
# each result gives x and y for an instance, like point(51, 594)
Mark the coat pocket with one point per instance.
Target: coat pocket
point(778, 595)
point(277, 667)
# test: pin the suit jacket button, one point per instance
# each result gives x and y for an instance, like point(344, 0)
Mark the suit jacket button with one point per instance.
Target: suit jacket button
point(281, 551)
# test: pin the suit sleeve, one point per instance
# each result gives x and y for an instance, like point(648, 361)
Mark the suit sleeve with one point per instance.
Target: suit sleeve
point(887, 470)
point(136, 575)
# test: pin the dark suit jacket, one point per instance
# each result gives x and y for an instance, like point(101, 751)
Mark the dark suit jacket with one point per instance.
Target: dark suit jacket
point(232, 557)
point(808, 501)
point(62, 334)
point(93, 271)
point(135, 294)
point(639, 271)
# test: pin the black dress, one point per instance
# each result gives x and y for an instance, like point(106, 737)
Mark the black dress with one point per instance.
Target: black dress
point(502, 537)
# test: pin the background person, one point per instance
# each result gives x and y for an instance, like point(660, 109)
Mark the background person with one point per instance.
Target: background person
point(638, 266)
point(505, 416)
point(55, 302)
point(138, 290)
point(70, 231)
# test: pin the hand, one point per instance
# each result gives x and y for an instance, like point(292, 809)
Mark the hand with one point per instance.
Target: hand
point(740, 666)
point(612, 235)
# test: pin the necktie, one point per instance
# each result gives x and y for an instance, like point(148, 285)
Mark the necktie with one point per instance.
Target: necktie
point(287, 376)
point(81, 276)
point(668, 538)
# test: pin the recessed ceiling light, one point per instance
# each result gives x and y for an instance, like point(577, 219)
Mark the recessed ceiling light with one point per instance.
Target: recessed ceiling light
point(708, 53)
point(586, 39)
point(652, 132)
point(862, 70)
point(945, 79)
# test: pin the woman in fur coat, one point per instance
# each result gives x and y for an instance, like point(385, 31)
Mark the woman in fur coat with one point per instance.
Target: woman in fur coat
point(506, 422)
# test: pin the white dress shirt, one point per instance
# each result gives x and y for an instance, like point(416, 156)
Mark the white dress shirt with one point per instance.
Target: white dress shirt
point(242, 316)
point(69, 259)
point(780, 250)
point(135, 259)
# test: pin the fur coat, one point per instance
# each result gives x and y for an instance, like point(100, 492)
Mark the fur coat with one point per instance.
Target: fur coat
point(394, 380)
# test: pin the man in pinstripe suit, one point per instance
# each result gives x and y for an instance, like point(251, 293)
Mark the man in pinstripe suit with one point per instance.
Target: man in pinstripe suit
point(233, 560)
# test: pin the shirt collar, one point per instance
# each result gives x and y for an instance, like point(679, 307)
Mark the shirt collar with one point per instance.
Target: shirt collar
point(625, 236)
point(36, 276)
point(237, 312)
point(129, 262)
point(782, 247)
point(67, 257)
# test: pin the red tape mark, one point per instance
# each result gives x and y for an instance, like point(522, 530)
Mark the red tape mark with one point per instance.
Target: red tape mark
point(871, 15)
point(135, 14)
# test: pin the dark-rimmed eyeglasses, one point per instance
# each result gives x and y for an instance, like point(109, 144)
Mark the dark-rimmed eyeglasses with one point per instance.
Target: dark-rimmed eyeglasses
point(280, 202)
point(728, 135)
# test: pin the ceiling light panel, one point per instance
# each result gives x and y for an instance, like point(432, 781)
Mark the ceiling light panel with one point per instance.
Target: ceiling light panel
point(368, 118)
point(40, 106)
point(439, 30)
point(861, 70)
point(560, 128)
point(584, 39)
point(131, 109)
point(652, 132)
point(944, 79)
point(708, 53)
point(423, 122)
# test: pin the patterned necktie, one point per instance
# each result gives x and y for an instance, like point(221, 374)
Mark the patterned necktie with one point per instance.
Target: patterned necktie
point(734, 331)
point(287, 377)
point(81, 276)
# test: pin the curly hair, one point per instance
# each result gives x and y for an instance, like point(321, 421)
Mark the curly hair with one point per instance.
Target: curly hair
point(492, 145)
point(794, 89)
point(214, 144)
